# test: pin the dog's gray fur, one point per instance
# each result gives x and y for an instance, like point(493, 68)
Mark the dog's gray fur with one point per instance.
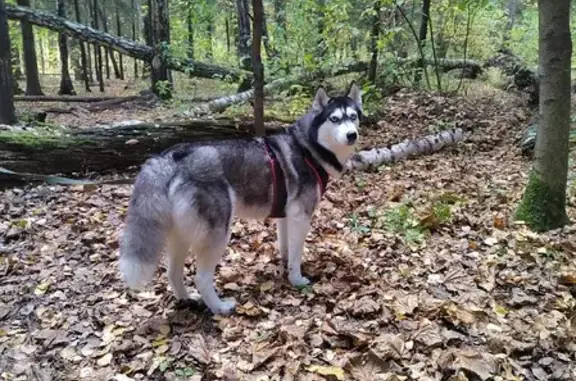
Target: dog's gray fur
point(186, 197)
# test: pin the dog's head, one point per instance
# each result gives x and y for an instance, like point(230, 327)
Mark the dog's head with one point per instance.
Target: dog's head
point(337, 120)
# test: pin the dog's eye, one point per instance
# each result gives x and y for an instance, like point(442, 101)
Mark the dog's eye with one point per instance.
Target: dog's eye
point(333, 119)
point(353, 117)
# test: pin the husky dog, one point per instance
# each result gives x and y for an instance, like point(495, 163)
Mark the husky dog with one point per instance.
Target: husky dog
point(187, 196)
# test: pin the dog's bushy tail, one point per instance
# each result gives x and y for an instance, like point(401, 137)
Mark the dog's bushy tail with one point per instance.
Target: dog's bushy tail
point(147, 223)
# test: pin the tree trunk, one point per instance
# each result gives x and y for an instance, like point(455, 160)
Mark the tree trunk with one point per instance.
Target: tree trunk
point(210, 34)
point(134, 19)
point(243, 34)
point(398, 47)
point(441, 42)
point(66, 86)
point(30, 62)
point(42, 59)
point(281, 25)
point(92, 5)
point(258, 68)
point(270, 50)
point(16, 69)
point(373, 158)
point(375, 33)
point(190, 32)
point(7, 111)
point(127, 144)
point(321, 46)
point(119, 32)
point(227, 35)
point(97, 149)
point(109, 53)
point(89, 65)
point(159, 34)
point(422, 39)
point(115, 66)
point(543, 206)
point(244, 53)
point(513, 10)
point(107, 60)
point(122, 45)
point(83, 61)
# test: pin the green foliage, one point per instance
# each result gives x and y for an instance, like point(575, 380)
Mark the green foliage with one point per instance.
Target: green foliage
point(495, 77)
point(339, 28)
point(185, 372)
point(406, 221)
point(164, 89)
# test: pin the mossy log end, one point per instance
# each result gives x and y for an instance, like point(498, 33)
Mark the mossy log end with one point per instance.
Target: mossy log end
point(108, 147)
point(542, 208)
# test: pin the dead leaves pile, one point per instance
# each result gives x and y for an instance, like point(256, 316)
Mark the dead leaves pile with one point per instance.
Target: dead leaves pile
point(457, 292)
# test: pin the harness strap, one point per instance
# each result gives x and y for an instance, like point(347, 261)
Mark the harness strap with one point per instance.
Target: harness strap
point(280, 193)
point(320, 173)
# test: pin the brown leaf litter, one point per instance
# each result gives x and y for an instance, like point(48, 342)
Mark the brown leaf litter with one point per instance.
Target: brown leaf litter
point(419, 273)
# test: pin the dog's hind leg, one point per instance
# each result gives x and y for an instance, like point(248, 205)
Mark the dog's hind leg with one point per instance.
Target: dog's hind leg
point(298, 227)
point(207, 260)
point(282, 229)
point(177, 254)
point(203, 216)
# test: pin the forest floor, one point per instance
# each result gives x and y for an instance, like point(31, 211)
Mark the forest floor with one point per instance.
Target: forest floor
point(419, 273)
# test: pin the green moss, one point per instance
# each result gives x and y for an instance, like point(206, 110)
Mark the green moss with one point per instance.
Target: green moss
point(542, 208)
point(38, 140)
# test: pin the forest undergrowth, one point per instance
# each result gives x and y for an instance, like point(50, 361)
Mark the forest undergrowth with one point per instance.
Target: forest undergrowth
point(419, 273)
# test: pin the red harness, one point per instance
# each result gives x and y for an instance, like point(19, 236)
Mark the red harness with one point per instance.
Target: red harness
point(280, 193)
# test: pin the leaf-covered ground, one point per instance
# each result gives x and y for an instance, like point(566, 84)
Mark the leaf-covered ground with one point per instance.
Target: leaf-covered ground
point(419, 273)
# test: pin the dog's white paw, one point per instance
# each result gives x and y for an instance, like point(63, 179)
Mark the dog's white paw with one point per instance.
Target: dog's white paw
point(298, 281)
point(226, 307)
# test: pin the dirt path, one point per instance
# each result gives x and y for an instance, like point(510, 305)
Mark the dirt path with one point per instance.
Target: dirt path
point(419, 273)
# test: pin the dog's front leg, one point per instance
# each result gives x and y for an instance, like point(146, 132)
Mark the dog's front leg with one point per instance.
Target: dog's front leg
point(298, 227)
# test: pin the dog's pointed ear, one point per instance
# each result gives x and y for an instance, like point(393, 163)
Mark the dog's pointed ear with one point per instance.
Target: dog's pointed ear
point(320, 99)
point(355, 94)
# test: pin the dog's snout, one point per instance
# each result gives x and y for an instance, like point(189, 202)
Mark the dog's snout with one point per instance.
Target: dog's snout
point(352, 136)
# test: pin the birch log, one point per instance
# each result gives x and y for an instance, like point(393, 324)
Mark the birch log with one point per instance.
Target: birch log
point(376, 157)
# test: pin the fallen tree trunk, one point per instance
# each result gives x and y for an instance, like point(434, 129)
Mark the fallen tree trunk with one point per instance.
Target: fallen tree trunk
point(69, 98)
point(375, 157)
point(473, 68)
point(106, 147)
point(220, 104)
point(123, 45)
point(130, 143)
point(525, 79)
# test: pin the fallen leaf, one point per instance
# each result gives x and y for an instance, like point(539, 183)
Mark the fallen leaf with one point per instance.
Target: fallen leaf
point(267, 286)
point(42, 288)
point(327, 371)
point(249, 309)
point(405, 305)
point(164, 329)
point(567, 279)
point(104, 360)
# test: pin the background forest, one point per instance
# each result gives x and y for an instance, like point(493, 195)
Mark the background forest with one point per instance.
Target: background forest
point(297, 35)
